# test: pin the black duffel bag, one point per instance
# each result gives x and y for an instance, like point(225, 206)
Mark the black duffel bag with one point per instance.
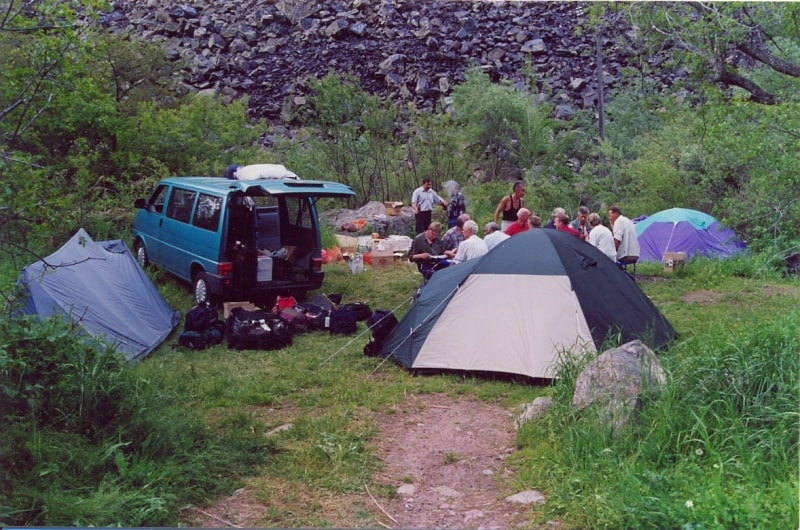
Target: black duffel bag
point(257, 330)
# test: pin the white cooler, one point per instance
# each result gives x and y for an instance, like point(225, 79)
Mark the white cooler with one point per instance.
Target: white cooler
point(264, 269)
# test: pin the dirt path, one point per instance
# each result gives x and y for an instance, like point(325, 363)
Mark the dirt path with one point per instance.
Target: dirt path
point(444, 456)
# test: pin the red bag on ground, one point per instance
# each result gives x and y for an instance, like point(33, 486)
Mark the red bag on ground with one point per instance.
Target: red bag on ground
point(282, 302)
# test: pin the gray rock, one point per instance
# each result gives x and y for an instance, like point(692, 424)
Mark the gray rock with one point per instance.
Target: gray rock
point(533, 410)
point(374, 213)
point(527, 497)
point(407, 490)
point(534, 46)
point(615, 382)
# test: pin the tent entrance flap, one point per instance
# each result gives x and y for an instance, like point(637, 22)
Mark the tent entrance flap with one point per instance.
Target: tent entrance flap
point(527, 340)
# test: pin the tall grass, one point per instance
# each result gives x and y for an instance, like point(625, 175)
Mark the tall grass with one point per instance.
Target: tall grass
point(86, 441)
point(132, 446)
point(718, 448)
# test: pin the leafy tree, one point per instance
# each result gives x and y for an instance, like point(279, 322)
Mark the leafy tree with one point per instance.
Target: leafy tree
point(723, 42)
point(503, 125)
point(356, 134)
point(201, 136)
point(435, 150)
point(40, 44)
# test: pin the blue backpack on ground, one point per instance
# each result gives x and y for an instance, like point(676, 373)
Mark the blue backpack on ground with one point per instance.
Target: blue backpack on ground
point(202, 328)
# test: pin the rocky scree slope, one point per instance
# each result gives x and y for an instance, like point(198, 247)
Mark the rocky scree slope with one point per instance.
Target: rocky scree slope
point(405, 50)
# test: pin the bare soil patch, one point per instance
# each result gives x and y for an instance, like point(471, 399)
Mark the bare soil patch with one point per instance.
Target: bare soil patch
point(709, 297)
point(445, 457)
point(702, 297)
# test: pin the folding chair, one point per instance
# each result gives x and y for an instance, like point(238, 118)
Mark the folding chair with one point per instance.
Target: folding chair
point(624, 266)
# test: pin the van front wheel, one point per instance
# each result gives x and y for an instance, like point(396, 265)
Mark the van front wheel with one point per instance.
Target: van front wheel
point(200, 288)
point(141, 254)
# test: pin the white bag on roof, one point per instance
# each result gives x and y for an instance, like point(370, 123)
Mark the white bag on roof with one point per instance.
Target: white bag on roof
point(264, 171)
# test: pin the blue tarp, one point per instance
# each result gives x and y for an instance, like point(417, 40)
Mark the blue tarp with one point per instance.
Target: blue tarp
point(100, 287)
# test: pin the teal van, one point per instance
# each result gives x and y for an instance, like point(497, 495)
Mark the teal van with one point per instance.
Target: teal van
point(234, 239)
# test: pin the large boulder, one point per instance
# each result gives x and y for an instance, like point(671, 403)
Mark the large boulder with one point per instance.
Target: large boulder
point(344, 221)
point(615, 382)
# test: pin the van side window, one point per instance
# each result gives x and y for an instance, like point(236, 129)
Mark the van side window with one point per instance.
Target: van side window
point(208, 211)
point(156, 201)
point(180, 204)
point(299, 213)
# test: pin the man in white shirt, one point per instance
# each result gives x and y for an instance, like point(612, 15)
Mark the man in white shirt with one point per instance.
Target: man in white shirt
point(600, 236)
point(624, 236)
point(492, 235)
point(422, 201)
point(473, 246)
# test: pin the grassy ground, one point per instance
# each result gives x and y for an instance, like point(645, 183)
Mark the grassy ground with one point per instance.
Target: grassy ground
point(718, 449)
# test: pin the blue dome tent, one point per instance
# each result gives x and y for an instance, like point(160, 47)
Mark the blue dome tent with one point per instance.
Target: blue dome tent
point(685, 230)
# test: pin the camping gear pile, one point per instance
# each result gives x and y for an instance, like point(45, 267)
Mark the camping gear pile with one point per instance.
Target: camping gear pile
point(263, 329)
point(685, 230)
point(516, 310)
point(101, 289)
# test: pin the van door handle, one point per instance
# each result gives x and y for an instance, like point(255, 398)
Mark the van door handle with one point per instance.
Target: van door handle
point(161, 222)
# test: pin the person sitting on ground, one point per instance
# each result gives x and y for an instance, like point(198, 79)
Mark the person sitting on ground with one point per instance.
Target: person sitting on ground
point(473, 246)
point(535, 221)
point(552, 222)
point(624, 236)
point(457, 204)
point(454, 236)
point(510, 204)
point(581, 224)
point(426, 248)
point(600, 236)
point(562, 223)
point(492, 235)
point(521, 224)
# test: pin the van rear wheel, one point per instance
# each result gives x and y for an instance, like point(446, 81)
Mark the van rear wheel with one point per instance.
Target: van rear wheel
point(200, 288)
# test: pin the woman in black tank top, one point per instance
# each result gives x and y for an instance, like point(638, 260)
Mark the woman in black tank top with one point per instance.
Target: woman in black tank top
point(510, 205)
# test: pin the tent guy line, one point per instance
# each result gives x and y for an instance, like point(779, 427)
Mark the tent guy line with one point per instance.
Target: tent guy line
point(415, 328)
point(340, 350)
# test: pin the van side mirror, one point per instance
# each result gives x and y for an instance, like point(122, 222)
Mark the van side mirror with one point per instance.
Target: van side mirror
point(139, 203)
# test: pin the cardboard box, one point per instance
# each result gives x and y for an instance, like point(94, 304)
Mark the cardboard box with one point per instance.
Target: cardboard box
point(674, 261)
point(228, 306)
point(393, 207)
point(383, 259)
point(381, 254)
point(346, 241)
point(381, 245)
point(348, 252)
point(289, 252)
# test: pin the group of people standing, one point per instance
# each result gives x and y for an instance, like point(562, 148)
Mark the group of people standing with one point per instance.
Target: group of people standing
point(461, 241)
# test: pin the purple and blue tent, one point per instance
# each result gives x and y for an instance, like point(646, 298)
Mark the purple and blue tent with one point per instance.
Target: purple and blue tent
point(685, 230)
